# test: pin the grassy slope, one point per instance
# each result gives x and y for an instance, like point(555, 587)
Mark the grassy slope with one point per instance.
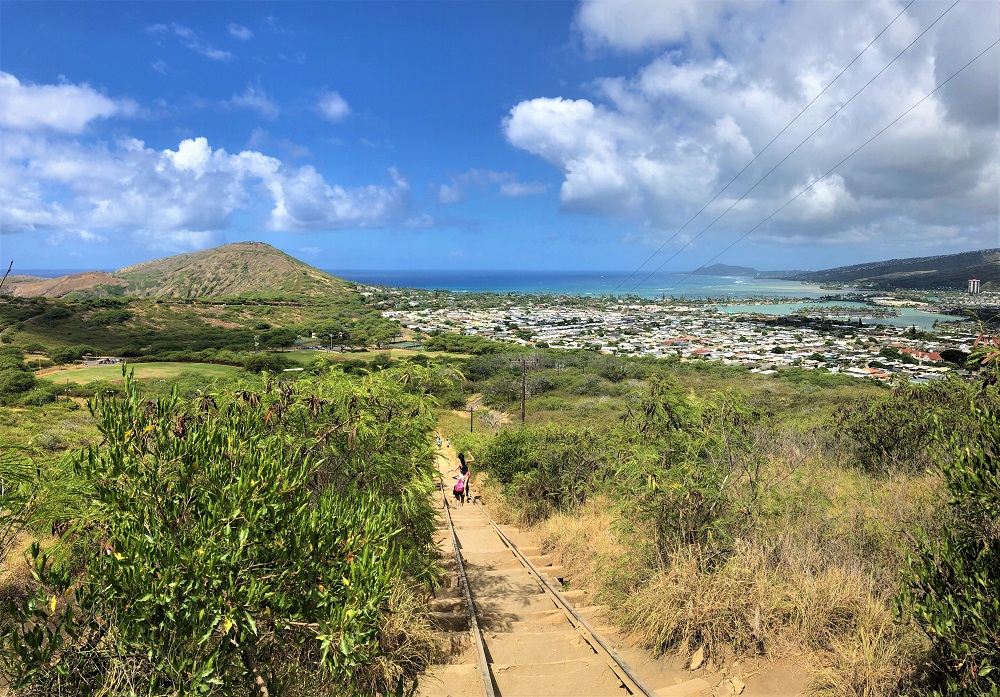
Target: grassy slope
point(213, 298)
point(241, 269)
point(813, 581)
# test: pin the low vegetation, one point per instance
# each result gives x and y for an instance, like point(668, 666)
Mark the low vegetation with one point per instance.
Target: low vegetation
point(226, 527)
point(849, 526)
point(270, 539)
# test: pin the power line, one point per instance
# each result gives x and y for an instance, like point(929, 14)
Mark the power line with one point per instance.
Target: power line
point(764, 149)
point(796, 148)
point(831, 170)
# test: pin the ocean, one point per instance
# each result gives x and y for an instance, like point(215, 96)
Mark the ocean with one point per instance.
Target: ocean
point(734, 292)
point(731, 291)
point(586, 283)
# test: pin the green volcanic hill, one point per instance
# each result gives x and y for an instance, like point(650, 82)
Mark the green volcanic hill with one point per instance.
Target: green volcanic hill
point(244, 269)
point(241, 269)
point(945, 272)
point(232, 298)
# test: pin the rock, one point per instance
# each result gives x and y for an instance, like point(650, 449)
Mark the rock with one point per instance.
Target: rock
point(735, 686)
point(697, 659)
point(691, 688)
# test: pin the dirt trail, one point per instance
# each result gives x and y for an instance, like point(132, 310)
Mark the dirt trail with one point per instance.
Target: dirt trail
point(531, 646)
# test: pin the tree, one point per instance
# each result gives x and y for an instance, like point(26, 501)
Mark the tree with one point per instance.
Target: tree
point(955, 356)
point(15, 377)
point(271, 362)
point(278, 338)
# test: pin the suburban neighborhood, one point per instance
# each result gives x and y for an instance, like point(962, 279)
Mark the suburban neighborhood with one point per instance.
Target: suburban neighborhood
point(700, 331)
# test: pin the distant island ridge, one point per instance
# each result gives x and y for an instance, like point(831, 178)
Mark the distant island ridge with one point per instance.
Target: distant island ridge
point(727, 270)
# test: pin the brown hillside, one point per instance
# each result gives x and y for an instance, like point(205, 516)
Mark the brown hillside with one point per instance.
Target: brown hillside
point(62, 286)
point(243, 268)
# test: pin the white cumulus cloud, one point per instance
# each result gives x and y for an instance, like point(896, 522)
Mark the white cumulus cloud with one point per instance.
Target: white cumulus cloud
point(657, 145)
point(637, 24)
point(183, 196)
point(333, 107)
point(68, 108)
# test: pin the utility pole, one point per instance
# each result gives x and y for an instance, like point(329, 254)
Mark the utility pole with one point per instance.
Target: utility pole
point(471, 407)
point(523, 384)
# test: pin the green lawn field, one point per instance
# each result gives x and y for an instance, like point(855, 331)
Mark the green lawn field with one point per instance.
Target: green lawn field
point(143, 371)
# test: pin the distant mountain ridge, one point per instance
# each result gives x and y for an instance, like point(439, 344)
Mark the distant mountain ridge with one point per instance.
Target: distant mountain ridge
point(946, 271)
point(239, 269)
point(260, 270)
point(941, 272)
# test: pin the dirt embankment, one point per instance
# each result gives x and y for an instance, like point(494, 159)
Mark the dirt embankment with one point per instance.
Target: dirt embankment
point(63, 285)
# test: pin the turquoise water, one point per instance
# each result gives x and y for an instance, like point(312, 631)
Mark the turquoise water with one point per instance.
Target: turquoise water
point(586, 283)
point(734, 289)
point(909, 316)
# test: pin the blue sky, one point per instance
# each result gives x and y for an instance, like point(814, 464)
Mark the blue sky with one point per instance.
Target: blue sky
point(497, 135)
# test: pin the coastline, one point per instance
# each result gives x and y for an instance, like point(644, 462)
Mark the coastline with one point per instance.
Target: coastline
point(585, 283)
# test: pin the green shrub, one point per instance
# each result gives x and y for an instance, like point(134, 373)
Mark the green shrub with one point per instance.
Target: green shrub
point(509, 453)
point(550, 404)
point(38, 397)
point(952, 584)
point(107, 317)
point(270, 362)
point(591, 386)
point(242, 542)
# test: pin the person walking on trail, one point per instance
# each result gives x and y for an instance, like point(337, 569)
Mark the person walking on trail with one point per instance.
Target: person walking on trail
point(464, 474)
point(459, 490)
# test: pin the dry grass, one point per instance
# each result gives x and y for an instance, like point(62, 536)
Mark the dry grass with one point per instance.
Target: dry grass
point(14, 571)
point(408, 639)
point(813, 582)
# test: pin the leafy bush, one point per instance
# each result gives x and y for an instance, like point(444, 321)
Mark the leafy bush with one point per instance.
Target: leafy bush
point(955, 356)
point(509, 453)
point(884, 436)
point(70, 354)
point(951, 583)
point(502, 390)
point(485, 367)
point(106, 317)
point(33, 493)
point(54, 315)
point(550, 404)
point(15, 377)
point(38, 397)
point(270, 362)
point(590, 385)
point(237, 547)
point(616, 369)
point(538, 384)
point(465, 343)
